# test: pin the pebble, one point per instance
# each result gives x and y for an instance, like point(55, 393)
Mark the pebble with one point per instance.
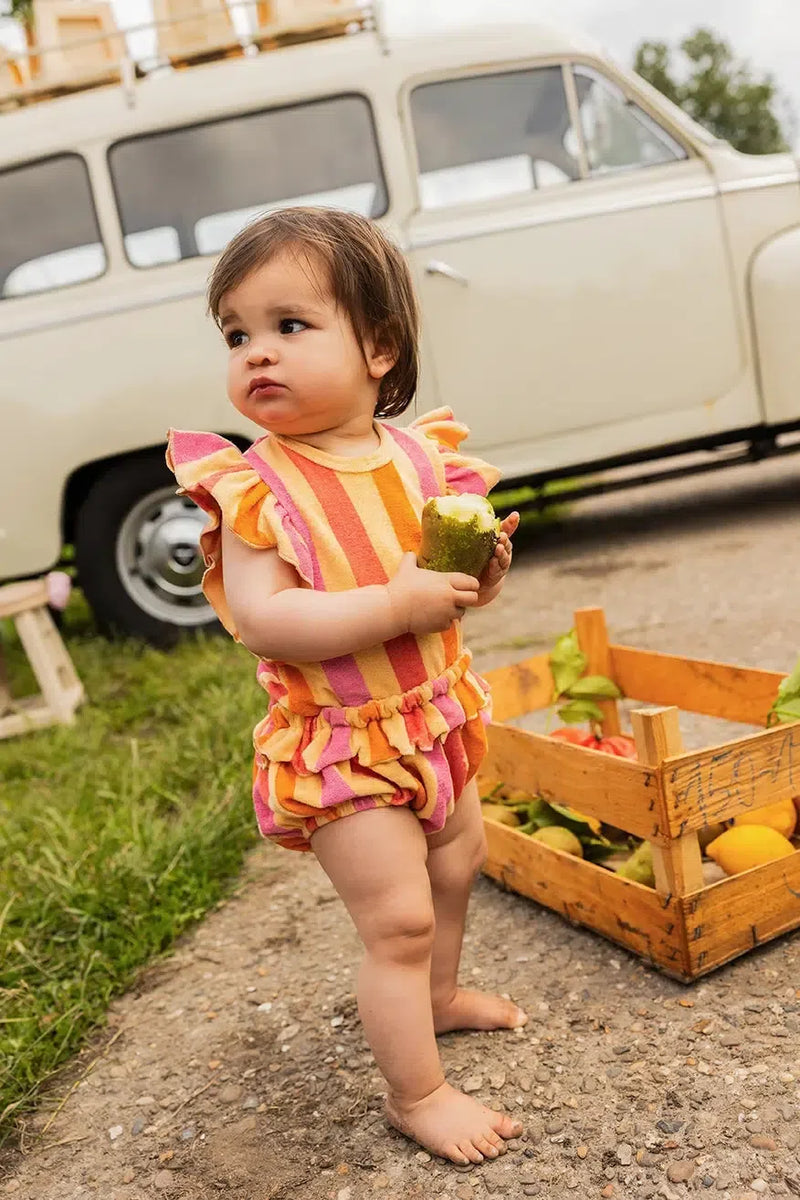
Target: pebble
point(250, 1102)
point(345, 1193)
point(116, 1131)
point(624, 1154)
point(513, 1144)
point(336, 1022)
point(422, 1157)
point(128, 1175)
point(759, 1142)
point(145, 1101)
point(680, 1172)
point(230, 1093)
point(464, 1191)
point(163, 1179)
point(582, 1151)
point(473, 1084)
point(497, 1080)
point(759, 1185)
point(608, 1191)
point(531, 1189)
point(645, 1158)
point(13, 1185)
point(380, 1181)
point(188, 1133)
point(137, 1126)
point(554, 1127)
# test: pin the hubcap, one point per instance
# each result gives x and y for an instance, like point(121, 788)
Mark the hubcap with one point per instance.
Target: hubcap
point(159, 559)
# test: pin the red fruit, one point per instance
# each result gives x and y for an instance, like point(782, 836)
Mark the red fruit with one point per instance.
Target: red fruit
point(578, 737)
point(620, 745)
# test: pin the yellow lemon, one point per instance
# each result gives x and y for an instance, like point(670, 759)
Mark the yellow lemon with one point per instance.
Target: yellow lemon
point(781, 817)
point(499, 813)
point(559, 838)
point(745, 846)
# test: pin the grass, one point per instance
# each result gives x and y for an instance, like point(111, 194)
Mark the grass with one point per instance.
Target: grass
point(117, 833)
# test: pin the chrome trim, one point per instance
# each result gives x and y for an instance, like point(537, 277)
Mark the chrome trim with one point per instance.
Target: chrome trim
point(532, 219)
point(745, 185)
point(100, 310)
point(437, 267)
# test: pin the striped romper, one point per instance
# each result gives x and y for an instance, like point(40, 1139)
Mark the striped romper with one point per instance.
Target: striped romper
point(402, 723)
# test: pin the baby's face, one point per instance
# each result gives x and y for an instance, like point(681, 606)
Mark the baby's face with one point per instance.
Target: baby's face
point(295, 365)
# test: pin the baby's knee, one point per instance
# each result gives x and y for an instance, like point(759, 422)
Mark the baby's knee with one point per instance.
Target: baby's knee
point(402, 931)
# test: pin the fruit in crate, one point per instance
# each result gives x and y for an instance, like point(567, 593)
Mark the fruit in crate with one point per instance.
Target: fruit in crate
point(500, 813)
point(745, 846)
point(620, 745)
point(459, 533)
point(639, 867)
point(781, 816)
point(559, 838)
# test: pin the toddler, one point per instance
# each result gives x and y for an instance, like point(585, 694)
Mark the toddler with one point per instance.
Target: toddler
point(374, 714)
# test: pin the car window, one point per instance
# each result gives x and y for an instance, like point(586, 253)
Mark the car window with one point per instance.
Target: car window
point(618, 135)
point(186, 192)
point(49, 236)
point(482, 137)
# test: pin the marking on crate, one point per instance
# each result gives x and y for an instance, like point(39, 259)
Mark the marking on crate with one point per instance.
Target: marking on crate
point(754, 932)
point(739, 776)
point(790, 888)
point(701, 958)
point(697, 933)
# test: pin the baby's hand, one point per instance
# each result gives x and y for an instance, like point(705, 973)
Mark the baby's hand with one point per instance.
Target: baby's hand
point(495, 573)
point(429, 601)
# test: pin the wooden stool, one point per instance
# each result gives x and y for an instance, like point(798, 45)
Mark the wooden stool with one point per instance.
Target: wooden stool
point(61, 689)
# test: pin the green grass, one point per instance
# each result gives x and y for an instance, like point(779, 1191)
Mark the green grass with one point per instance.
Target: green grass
point(115, 834)
point(506, 499)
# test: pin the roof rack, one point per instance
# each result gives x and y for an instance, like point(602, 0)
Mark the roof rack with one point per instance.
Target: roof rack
point(79, 47)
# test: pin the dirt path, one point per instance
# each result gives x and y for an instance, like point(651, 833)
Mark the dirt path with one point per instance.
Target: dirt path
point(238, 1068)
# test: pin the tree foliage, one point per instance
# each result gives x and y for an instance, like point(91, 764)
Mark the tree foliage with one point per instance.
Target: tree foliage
point(717, 90)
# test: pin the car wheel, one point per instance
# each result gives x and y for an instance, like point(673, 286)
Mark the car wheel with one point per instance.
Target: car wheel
point(138, 554)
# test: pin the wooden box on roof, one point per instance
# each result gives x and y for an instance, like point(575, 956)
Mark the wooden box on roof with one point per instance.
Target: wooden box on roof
point(681, 926)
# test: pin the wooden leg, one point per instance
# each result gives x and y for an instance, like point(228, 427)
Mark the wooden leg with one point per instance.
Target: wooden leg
point(678, 863)
point(52, 666)
point(590, 626)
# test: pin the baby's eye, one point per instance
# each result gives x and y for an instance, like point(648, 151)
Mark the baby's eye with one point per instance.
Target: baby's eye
point(292, 325)
point(235, 338)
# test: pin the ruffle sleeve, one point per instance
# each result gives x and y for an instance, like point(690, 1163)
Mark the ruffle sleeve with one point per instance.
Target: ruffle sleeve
point(462, 472)
point(217, 476)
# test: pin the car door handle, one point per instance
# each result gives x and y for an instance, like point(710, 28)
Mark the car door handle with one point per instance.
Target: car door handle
point(436, 267)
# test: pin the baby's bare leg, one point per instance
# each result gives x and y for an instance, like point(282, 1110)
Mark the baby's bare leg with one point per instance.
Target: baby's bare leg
point(376, 862)
point(455, 856)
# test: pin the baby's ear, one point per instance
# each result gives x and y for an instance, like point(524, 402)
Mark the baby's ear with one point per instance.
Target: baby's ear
point(381, 355)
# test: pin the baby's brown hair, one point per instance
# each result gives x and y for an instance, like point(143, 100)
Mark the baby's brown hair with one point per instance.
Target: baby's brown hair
point(368, 276)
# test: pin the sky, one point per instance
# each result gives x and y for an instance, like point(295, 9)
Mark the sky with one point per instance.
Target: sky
point(766, 32)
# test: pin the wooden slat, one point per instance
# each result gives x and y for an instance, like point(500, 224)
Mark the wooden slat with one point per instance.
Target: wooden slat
point(713, 785)
point(626, 912)
point(616, 790)
point(735, 915)
point(696, 685)
point(677, 864)
point(524, 687)
point(590, 627)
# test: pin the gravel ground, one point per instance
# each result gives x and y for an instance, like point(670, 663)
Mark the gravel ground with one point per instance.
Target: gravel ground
point(237, 1068)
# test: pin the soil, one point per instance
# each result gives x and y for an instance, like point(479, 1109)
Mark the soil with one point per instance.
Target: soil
point(237, 1066)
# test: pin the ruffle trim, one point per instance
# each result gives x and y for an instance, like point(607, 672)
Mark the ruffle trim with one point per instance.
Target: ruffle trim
point(462, 472)
point(376, 732)
point(219, 479)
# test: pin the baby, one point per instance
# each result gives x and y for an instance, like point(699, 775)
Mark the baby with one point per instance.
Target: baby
point(375, 726)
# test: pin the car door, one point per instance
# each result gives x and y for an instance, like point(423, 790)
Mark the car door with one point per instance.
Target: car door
point(572, 266)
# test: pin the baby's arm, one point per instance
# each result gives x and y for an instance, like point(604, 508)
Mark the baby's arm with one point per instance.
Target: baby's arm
point(277, 619)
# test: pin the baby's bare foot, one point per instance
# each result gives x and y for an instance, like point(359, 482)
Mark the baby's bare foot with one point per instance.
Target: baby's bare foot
point(453, 1125)
point(477, 1010)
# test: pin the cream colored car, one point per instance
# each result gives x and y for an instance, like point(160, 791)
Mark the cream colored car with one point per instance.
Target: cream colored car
point(602, 282)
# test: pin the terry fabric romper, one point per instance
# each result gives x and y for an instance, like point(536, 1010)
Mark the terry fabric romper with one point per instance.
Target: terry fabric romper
point(398, 723)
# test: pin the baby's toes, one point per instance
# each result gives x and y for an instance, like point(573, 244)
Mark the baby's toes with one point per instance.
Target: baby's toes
point(506, 1126)
point(470, 1150)
point(487, 1148)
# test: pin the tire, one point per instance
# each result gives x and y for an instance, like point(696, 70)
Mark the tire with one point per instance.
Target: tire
point(138, 555)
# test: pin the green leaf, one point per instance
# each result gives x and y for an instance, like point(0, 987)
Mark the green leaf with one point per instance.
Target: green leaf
point(789, 689)
point(577, 711)
point(595, 686)
point(786, 710)
point(567, 663)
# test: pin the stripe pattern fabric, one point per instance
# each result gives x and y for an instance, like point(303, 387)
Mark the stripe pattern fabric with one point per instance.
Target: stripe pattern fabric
point(398, 723)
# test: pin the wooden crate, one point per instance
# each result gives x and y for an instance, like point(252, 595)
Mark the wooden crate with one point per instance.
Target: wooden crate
point(681, 926)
